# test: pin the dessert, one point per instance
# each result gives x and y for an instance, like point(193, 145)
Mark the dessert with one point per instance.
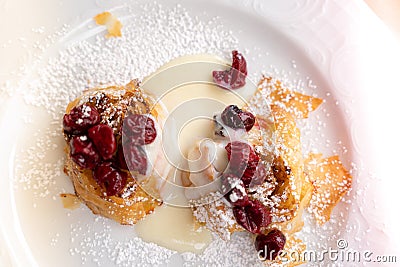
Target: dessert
point(272, 207)
point(248, 175)
point(95, 157)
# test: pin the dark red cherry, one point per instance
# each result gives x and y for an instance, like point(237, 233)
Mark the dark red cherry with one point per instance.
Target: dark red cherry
point(235, 118)
point(135, 158)
point(103, 139)
point(238, 156)
point(230, 117)
point(269, 245)
point(120, 158)
point(243, 160)
point(236, 76)
point(113, 179)
point(251, 168)
point(139, 129)
point(83, 152)
point(80, 119)
point(247, 119)
point(252, 217)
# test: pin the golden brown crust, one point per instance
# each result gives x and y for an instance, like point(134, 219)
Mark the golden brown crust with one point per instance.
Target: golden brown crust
point(330, 180)
point(297, 104)
point(70, 201)
point(289, 165)
point(125, 210)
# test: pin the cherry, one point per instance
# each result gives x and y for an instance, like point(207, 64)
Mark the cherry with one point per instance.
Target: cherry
point(253, 216)
point(270, 245)
point(139, 129)
point(83, 152)
point(235, 118)
point(230, 117)
point(236, 76)
point(248, 120)
point(113, 179)
point(238, 156)
point(80, 119)
point(135, 158)
point(103, 139)
point(243, 160)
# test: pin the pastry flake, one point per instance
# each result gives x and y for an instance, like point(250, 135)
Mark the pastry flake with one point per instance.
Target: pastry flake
point(70, 201)
point(113, 25)
point(299, 105)
point(331, 182)
point(288, 167)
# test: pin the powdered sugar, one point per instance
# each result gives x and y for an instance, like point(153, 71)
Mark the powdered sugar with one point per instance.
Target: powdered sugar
point(235, 252)
point(96, 244)
point(148, 41)
point(217, 215)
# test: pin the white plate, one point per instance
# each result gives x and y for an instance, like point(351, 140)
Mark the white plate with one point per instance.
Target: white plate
point(338, 46)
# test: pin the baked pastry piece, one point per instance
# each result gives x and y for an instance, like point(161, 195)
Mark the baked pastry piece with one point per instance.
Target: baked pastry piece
point(95, 159)
point(291, 183)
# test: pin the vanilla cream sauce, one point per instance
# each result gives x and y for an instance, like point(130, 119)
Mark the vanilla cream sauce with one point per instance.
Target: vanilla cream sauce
point(184, 86)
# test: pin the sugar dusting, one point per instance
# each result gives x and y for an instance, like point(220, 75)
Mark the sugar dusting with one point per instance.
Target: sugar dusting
point(95, 244)
point(148, 41)
point(235, 252)
point(36, 170)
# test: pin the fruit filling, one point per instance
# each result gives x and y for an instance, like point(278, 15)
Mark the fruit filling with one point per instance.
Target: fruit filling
point(94, 146)
point(235, 77)
point(139, 129)
point(252, 217)
point(113, 179)
point(235, 118)
point(243, 161)
point(80, 119)
point(270, 245)
point(103, 139)
point(83, 152)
